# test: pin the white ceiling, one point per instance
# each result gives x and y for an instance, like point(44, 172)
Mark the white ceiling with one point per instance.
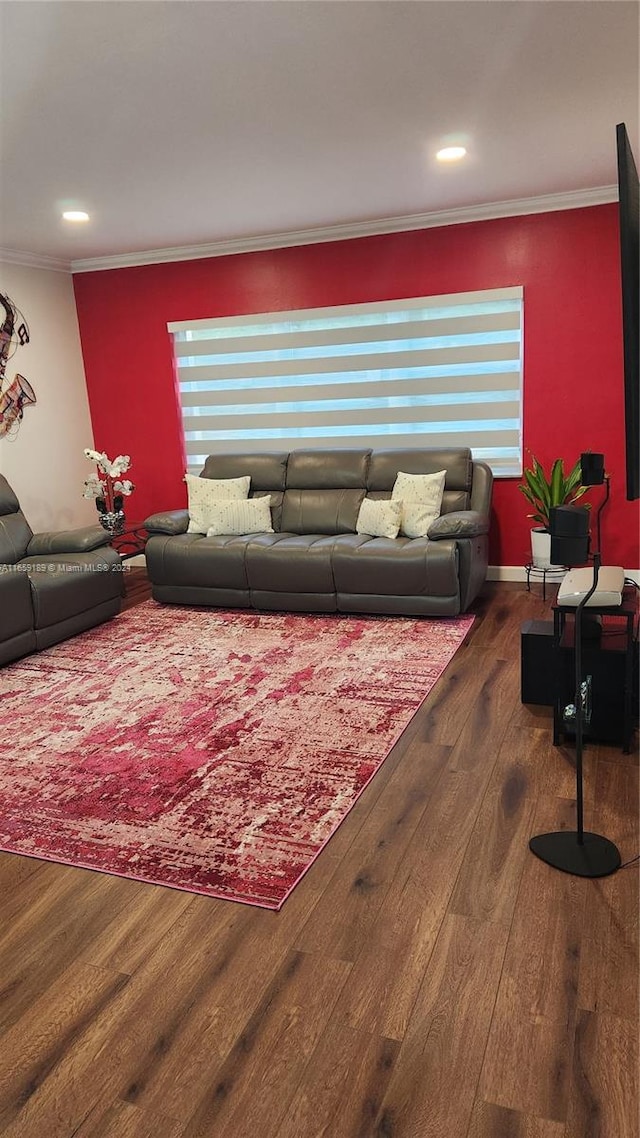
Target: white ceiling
point(177, 123)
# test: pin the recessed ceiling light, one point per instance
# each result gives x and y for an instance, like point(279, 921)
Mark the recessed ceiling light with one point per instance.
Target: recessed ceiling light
point(75, 215)
point(451, 153)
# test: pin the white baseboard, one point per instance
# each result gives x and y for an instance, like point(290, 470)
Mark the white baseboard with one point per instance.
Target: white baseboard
point(506, 573)
point(519, 573)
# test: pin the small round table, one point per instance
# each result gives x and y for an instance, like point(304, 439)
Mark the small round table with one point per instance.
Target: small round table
point(130, 541)
point(552, 572)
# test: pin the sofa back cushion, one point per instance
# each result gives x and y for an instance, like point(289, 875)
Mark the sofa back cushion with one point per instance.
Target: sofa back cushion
point(268, 472)
point(321, 490)
point(324, 490)
point(15, 531)
point(321, 511)
point(457, 461)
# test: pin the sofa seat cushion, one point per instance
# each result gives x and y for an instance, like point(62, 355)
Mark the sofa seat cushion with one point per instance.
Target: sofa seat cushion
point(289, 563)
point(67, 584)
point(201, 562)
point(400, 566)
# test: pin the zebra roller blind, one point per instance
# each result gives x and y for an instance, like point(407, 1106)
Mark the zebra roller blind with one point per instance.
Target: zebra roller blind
point(428, 371)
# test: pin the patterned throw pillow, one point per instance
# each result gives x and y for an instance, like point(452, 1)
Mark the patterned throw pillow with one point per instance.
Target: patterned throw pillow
point(237, 517)
point(379, 518)
point(421, 495)
point(203, 492)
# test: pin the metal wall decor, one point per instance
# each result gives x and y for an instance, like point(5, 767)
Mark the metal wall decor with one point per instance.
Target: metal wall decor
point(17, 393)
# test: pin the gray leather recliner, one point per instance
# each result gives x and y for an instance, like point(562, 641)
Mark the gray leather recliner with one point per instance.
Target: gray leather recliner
point(52, 585)
point(315, 561)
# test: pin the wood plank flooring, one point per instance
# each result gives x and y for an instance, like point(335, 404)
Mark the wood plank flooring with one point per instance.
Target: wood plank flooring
point(428, 978)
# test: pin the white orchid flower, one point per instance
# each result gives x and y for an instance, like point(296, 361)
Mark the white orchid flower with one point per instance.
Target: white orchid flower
point(125, 487)
point(93, 487)
point(96, 487)
point(119, 465)
point(100, 458)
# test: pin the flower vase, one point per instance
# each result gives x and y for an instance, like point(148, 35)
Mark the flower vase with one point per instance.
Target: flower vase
point(541, 549)
point(112, 520)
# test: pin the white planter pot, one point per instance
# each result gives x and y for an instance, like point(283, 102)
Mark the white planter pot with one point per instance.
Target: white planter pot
point(541, 549)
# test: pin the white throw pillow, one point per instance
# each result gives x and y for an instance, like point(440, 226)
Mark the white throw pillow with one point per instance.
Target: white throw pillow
point(203, 492)
point(237, 517)
point(379, 518)
point(422, 498)
point(416, 519)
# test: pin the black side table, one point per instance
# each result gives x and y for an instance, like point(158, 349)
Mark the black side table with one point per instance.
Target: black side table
point(131, 541)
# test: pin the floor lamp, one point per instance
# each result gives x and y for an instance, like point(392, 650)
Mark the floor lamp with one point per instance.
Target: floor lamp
point(577, 851)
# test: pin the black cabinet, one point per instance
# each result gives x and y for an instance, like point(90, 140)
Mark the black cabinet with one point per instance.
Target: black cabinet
point(609, 656)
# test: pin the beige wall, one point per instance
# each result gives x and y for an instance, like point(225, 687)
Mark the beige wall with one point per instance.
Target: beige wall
point(43, 460)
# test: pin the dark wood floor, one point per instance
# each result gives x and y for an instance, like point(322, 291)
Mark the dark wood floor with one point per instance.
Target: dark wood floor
point(428, 978)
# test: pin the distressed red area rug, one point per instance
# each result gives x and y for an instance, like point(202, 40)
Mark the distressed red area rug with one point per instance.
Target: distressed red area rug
point(206, 750)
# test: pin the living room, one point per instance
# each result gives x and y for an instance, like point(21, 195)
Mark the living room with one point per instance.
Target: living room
point(427, 975)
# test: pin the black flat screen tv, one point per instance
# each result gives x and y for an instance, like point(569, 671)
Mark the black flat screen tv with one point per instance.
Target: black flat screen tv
point(629, 206)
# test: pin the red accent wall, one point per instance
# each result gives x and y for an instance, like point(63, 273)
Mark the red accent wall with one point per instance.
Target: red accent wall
point(568, 263)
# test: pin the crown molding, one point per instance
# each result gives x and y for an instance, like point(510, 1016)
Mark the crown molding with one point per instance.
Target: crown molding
point(34, 261)
point(578, 199)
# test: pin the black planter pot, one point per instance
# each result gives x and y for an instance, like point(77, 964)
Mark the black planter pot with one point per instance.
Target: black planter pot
point(114, 520)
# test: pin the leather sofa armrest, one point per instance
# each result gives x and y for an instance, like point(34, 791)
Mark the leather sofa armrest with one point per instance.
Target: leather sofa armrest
point(171, 522)
point(459, 523)
point(67, 541)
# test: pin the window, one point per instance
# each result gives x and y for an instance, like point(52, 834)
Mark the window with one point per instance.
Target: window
point(428, 371)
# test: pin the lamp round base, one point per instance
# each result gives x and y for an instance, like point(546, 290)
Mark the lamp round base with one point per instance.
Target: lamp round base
point(594, 856)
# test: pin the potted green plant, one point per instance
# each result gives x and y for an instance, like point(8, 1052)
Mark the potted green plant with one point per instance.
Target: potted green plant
point(543, 491)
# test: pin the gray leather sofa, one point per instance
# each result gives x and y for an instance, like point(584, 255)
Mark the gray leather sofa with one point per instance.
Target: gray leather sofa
point(52, 585)
point(315, 561)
